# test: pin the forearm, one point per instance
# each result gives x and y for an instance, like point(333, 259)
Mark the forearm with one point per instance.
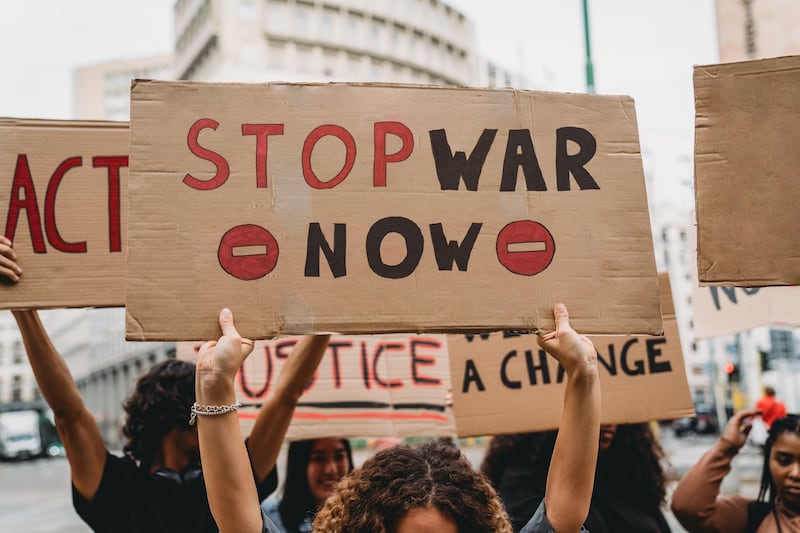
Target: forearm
point(276, 413)
point(570, 478)
point(50, 370)
point(695, 501)
point(232, 494)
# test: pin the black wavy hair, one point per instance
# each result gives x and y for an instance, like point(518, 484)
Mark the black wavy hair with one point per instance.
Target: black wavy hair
point(788, 424)
point(161, 400)
point(297, 501)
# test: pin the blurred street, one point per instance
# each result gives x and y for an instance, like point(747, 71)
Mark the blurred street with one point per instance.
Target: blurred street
point(35, 495)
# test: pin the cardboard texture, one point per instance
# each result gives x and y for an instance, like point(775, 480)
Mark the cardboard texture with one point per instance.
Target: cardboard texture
point(345, 208)
point(62, 194)
point(642, 379)
point(365, 386)
point(746, 162)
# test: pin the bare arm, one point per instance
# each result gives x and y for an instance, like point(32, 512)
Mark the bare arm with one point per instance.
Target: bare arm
point(570, 478)
point(76, 426)
point(232, 493)
point(276, 413)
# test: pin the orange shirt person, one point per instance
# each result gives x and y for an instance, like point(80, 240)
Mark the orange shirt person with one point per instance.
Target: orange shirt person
point(771, 408)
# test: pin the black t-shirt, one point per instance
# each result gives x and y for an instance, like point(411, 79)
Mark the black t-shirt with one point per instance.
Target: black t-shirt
point(130, 500)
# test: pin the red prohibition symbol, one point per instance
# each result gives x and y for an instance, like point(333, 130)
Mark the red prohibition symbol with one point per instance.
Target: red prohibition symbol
point(256, 256)
point(525, 247)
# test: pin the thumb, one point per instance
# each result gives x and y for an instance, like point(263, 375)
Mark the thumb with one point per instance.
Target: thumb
point(226, 323)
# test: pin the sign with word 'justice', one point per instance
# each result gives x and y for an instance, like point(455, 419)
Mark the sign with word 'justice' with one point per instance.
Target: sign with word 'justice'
point(380, 208)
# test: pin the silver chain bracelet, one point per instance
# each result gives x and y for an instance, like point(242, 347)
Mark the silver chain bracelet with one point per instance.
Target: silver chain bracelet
point(212, 410)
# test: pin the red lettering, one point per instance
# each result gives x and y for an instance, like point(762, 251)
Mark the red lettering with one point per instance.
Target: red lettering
point(334, 348)
point(308, 147)
point(53, 236)
point(379, 349)
point(245, 385)
point(418, 359)
point(113, 164)
point(24, 183)
point(261, 131)
point(223, 170)
point(381, 157)
point(248, 266)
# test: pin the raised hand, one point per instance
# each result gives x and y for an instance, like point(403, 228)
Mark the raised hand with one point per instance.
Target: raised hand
point(573, 351)
point(9, 269)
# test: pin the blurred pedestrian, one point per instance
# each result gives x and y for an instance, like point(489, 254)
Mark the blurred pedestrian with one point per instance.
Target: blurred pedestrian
point(404, 489)
point(313, 468)
point(697, 503)
point(771, 407)
point(629, 485)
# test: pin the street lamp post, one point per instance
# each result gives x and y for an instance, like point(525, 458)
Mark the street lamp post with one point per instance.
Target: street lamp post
point(589, 68)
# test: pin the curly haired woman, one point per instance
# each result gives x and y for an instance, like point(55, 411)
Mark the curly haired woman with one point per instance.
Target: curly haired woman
point(629, 490)
point(458, 499)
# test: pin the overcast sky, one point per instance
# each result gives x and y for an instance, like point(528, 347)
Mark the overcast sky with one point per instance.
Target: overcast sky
point(642, 48)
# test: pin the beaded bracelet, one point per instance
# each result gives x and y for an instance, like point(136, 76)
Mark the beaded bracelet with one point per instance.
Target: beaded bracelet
point(212, 410)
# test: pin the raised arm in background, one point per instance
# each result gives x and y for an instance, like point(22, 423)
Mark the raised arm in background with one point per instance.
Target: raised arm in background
point(277, 410)
point(76, 426)
point(570, 478)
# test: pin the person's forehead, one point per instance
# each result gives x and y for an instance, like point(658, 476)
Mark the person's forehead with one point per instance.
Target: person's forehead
point(787, 442)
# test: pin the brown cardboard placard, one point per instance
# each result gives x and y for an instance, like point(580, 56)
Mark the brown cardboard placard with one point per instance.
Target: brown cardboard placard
point(365, 386)
point(746, 161)
point(342, 208)
point(504, 383)
point(62, 203)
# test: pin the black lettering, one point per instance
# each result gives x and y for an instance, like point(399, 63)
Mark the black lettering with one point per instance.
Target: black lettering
point(574, 164)
point(335, 256)
point(414, 242)
point(653, 352)
point(541, 367)
point(504, 375)
point(520, 153)
point(483, 336)
point(452, 166)
point(611, 364)
point(448, 252)
point(638, 367)
point(471, 374)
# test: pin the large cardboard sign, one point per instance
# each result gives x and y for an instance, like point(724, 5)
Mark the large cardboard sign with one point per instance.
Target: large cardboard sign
point(61, 203)
point(746, 161)
point(378, 209)
point(504, 383)
point(365, 386)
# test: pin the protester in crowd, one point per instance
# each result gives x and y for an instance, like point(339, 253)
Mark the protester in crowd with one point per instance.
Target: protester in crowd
point(440, 484)
point(629, 486)
point(157, 486)
point(313, 468)
point(697, 503)
point(771, 408)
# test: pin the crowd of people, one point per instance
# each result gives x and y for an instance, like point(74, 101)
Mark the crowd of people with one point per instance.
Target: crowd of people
point(186, 467)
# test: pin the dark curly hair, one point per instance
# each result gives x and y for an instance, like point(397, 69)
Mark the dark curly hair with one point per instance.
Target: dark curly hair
point(631, 467)
point(160, 401)
point(373, 498)
point(788, 424)
point(297, 501)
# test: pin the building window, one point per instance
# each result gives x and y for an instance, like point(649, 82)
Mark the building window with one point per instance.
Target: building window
point(16, 389)
point(301, 21)
point(247, 10)
point(17, 353)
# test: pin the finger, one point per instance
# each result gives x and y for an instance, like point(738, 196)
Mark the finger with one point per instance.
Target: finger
point(226, 323)
point(10, 272)
point(561, 317)
point(247, 347)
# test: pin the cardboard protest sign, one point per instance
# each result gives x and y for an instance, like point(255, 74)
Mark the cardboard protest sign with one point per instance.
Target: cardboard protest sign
point(379, 208)
point(746, 161)
point(365, 386)
point(728, 310)
point(504, 383)
point(61, 203)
